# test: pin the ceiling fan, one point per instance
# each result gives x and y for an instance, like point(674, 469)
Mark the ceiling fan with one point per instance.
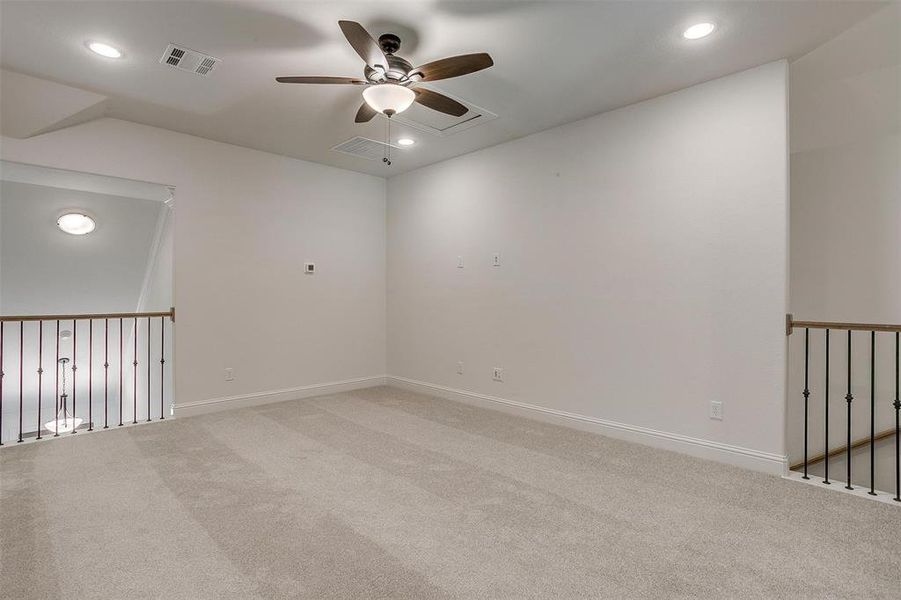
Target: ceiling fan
point(389, 80)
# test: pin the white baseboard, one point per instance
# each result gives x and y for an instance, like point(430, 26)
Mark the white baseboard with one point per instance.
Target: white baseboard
point(756, 460)
point(198, 407)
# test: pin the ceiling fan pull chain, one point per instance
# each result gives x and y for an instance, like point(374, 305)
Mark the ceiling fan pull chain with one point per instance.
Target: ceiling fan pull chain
point(387, 158)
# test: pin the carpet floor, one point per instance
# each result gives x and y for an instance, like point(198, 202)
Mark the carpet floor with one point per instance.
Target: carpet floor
point(383, 493)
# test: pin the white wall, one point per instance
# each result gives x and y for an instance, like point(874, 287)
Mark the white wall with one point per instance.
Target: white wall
point(643, 268)
point(245, 222)
point(846, 225)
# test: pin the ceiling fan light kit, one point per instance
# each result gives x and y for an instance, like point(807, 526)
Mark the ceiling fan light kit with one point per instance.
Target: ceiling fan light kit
point(389, 79)
point(389, 98)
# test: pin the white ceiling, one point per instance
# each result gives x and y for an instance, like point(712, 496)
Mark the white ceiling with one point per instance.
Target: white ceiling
point(555, 62)
point(46, 271)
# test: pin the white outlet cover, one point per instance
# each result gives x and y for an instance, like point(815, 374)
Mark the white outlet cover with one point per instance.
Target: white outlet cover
point(460, 368)
point(459, 262)
point(498, 374)
point(229, 374)
point(716, 410)
point(496, 259)
point(309, 268)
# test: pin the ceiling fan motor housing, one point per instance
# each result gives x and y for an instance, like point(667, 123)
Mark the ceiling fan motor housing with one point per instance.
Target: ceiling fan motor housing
point(398, 68)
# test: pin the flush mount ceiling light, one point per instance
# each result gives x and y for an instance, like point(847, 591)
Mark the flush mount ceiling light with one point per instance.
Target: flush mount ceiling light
point(76, 223)
point(698, 31)
point(405, 142)
point(104, 50)
point(389, 98)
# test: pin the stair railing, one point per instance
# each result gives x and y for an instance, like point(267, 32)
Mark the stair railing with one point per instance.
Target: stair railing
point(874, 436)
point(30, 329)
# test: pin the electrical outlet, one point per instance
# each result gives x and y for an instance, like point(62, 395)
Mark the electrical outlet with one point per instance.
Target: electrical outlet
point(309, 268)
point(498, 374)
point(716, 410)
point(459, 262)
point(229, 374)
point(496, 260)
point(460, 368)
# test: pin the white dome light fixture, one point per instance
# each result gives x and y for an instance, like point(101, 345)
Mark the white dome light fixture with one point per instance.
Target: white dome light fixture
point(104, 50)
point(75, 223)
point(405, 142)
point(698, 31)
point(388, 98)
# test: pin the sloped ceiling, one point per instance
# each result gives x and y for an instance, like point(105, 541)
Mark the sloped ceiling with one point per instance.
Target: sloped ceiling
point(32, 106)
point(46, 271)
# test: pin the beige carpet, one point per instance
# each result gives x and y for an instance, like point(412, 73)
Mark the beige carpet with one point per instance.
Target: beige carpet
point(383, 493)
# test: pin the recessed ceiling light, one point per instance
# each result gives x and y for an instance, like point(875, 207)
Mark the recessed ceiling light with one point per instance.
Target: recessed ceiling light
point(76, 223)
point(699, 30)
point(104, 50)
point(406, 142)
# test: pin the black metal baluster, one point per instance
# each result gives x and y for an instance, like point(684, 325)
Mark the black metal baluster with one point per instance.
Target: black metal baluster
point(40, 372)
point(91, 375)
point(21, 374)
point(897, 405)
point(74, 370)
point(849, 399)
point(806, 394)
point(148, 369)
point(162, 364)
point(872, 491)
point(826, 431)
point(134, 412)
point(121, 367)
point(106, 373)
point(2, 375)
point(56, 400)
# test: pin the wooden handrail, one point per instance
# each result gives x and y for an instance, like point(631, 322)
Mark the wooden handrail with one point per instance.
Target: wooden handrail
point(843, 449)
point(791, 324)
point(84, 317)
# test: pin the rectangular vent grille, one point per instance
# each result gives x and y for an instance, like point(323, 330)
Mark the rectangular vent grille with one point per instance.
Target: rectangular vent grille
point(185, 59)
point(364, 148)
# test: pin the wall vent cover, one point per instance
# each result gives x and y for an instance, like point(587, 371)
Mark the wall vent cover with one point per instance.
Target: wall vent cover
point(185, 59)
point(364, 148)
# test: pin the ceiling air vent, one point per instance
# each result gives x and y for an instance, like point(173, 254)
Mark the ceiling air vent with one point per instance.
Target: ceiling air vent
point(364, 148)
point(185, 59)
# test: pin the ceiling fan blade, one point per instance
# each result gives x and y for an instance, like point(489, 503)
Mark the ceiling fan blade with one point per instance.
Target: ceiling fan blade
point(344, 80)
point(368, 49)
point(439, 102)
point(454, 66)
point(365, 114)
